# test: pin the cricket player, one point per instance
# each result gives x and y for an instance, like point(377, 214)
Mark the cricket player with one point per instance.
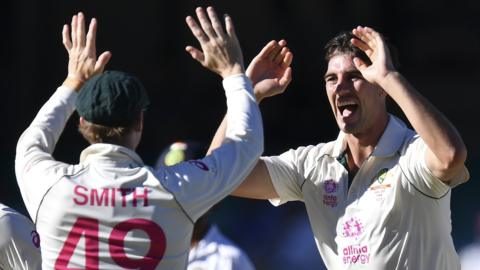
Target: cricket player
point(111, 211)
point(377, 197)
point(19, 241)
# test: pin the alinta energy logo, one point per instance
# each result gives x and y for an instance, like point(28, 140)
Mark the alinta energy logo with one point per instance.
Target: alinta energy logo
point(352, 228)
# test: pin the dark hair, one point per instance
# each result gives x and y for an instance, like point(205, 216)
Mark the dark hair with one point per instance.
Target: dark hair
point(341, 44)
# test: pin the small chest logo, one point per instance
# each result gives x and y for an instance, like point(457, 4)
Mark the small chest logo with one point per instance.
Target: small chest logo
point(330, 186)
point(380, 176)
point(352, 228)
point(35, 239)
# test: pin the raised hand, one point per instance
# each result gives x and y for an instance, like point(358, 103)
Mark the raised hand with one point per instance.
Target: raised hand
point(221, 52)
point(270, 70)
point(81, 48)
point(373, 44)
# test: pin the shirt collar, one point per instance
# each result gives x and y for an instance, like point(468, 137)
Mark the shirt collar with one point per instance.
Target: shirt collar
point(391, 140)
point(109, 153)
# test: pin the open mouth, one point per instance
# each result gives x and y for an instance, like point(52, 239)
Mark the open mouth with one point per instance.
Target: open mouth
point(347, 108)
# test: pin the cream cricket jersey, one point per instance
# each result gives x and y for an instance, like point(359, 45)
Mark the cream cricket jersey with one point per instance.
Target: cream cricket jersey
point(19, 241)
point(111, 211)
point(395, 215)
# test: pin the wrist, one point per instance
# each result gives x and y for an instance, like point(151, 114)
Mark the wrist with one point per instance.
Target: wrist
point(388, 78)
point(234, 70)
point(73, 83)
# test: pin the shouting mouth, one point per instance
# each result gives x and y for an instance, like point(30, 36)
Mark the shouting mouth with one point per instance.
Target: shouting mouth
point(347, 108)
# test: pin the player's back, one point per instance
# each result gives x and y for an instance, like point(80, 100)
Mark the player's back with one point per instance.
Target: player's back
point(112, 214)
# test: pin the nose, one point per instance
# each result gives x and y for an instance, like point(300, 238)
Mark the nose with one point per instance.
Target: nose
point(342, 85)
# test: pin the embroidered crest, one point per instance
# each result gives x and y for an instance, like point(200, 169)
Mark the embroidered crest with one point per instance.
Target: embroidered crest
point(380, 176)
point(330, 186)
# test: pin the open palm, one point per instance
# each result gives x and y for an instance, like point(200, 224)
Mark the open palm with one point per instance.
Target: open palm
point(270, 70)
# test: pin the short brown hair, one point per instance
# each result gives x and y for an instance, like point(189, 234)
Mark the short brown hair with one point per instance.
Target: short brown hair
point(95, 133)
point(341, 44)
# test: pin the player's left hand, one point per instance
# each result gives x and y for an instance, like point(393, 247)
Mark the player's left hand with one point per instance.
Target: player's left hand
point(373, 44)
point(270, 70)
point(81, 48)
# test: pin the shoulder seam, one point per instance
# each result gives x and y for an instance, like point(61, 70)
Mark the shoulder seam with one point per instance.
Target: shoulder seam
point(416, 188)
point(48, 190)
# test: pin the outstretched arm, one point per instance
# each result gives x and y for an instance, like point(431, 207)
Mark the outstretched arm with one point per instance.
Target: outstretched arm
point(446, 152)
point(270, 73)
point(35, 167)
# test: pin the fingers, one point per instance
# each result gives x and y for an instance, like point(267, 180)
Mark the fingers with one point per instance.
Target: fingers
point(286, 78)
point(73, 29)
point(287, 60)
point(279, 58)
point(229, 26)
point(91, 38)
point(267, 49)
point(362, 46)
point(205, 23)
point(367, 35)
point(217, 25)
point(196, 31)
point(195, 53)
point(102, 62)
point(276, 50)
point(80, 31)
point(359, 64)
point(67, 42)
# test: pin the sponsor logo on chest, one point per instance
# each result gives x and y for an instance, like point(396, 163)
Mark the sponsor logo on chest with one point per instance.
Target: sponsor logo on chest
point(330, 199)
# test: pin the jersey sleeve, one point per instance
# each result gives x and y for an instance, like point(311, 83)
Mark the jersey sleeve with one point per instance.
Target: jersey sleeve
point(288, 172)
point(36, 170)
point(198, 185)
point(18, 242)
point(413, 165)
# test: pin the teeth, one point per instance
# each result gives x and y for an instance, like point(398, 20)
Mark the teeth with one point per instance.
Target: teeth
point(346, 103)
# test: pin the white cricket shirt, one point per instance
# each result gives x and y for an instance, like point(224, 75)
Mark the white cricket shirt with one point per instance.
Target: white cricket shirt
point(111, 211)
point(217, 252)
point(19, 241)
point(396, 214)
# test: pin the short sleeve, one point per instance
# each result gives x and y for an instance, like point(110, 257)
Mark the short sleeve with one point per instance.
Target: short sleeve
point(414, 167)
point(288, 172)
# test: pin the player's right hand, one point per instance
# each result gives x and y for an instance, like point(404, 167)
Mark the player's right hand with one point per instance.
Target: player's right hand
point(270, 70)
point(221, 52)
point(81, 48)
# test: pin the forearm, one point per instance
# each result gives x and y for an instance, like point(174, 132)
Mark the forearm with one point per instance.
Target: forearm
point(219, 136)
point(43, 133)
point(443, 140)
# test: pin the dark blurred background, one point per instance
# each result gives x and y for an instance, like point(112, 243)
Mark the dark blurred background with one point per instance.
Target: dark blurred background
point(438, 43)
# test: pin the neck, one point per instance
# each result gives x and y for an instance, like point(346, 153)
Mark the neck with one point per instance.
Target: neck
point(361, 145)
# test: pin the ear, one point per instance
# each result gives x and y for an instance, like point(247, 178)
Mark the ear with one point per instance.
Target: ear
point(82, 121)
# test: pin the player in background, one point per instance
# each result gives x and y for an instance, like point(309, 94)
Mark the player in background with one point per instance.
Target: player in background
point(378, 197)
point(19, 241)
point(111, 211)
point(209, 248)
point(470, 254)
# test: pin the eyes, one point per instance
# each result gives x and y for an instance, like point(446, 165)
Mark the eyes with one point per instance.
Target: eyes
point(352, 77)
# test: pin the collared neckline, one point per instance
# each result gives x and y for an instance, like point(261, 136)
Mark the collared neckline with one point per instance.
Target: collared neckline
point(390, 141)
point(105, 151)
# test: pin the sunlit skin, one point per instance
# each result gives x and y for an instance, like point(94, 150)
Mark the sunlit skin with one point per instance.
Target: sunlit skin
point(366, 116)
